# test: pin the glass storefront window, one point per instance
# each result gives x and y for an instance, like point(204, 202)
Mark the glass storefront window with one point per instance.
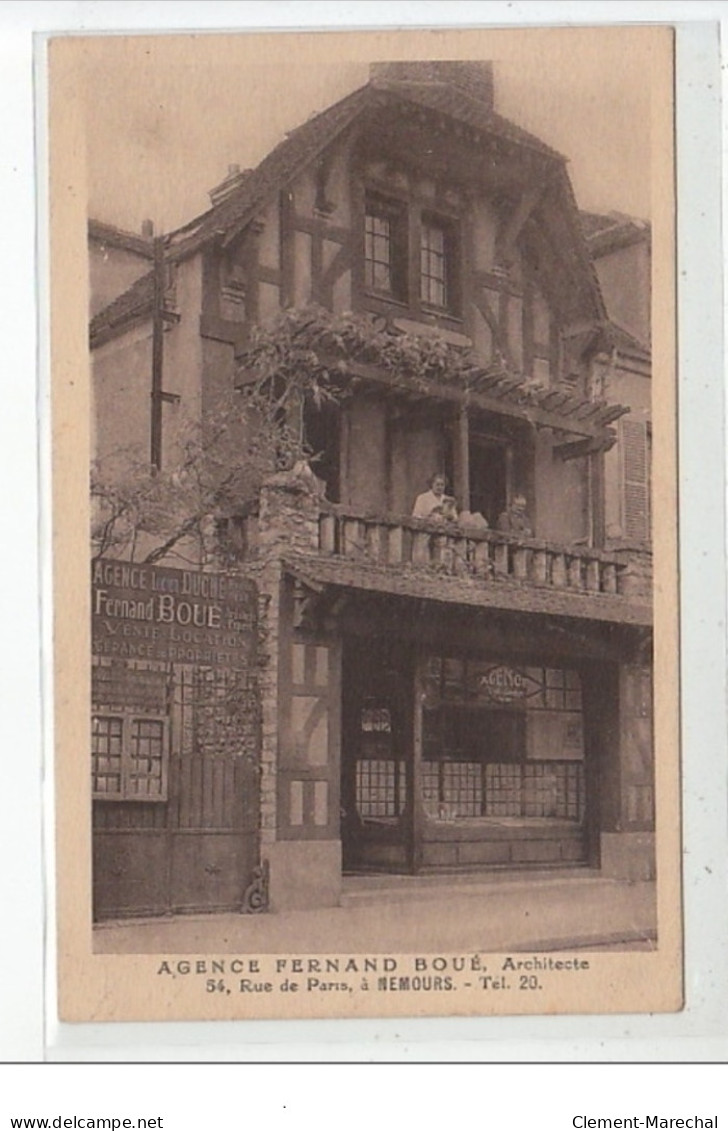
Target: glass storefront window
point(501, 741)
point(380, 773)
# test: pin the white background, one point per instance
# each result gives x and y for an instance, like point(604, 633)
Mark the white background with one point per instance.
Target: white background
point(546, 1095)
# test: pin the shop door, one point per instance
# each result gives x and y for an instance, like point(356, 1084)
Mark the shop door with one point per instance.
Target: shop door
point(376, 762)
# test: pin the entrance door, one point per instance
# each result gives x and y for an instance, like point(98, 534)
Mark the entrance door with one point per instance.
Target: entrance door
point(376, 762)
point(489, 470)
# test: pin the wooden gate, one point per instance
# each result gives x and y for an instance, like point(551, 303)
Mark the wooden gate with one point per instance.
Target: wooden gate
point(175, 755)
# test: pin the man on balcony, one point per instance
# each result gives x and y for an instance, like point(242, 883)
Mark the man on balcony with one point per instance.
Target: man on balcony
point(515, 519)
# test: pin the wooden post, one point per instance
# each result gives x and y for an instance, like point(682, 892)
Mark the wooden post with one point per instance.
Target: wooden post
point(414, 237)
point(527, 325)
point(596, 499)
point(416, 811)
point(287, 249)
point(157, 352)
point(503, 305)
point(461, 458)
point(344, 454)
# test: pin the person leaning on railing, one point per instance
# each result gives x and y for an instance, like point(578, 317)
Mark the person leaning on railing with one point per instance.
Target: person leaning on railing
point(435, 503)
point(514, 519)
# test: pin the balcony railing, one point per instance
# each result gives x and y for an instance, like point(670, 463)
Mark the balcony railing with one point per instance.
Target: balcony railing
point(489, 555)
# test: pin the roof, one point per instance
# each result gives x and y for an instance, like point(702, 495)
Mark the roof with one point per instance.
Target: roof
point(307, 141)
point(303, 145)
point(112, 236)
point(468, 592)
point(298, 149)
point(626, 343)
point(453, 102)
point(134, 303)
point(607, 233)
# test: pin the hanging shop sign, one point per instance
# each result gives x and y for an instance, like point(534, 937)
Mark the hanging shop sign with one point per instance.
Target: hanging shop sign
point(150, 612)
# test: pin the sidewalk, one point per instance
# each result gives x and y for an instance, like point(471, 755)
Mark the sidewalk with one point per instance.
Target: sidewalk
point(534, 911)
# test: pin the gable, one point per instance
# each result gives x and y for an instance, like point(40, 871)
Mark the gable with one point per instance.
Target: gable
point(435, 125)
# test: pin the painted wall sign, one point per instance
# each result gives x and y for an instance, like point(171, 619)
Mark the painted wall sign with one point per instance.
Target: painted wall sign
point(150, 612)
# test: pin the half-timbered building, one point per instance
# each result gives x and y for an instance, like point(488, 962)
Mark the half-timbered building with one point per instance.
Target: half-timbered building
point(436, 693)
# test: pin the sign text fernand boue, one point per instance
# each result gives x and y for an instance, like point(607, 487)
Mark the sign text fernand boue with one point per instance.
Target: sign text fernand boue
point(149, 612)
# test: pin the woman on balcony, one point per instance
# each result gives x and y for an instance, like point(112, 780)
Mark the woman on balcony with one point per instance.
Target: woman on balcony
point(435, 503)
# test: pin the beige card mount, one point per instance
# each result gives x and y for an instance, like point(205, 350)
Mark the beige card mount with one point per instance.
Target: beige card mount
point(366, 631)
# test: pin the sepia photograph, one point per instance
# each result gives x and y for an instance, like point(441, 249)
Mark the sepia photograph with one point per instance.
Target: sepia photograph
point(365, 519)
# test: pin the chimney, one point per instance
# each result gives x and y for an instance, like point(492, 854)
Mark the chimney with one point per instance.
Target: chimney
point(147, 229)
point(234, 179)
point(472, 78)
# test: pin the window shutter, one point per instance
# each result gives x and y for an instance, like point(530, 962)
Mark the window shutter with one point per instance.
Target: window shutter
point(635, 480)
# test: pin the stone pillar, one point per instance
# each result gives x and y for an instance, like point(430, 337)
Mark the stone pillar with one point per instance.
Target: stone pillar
point(288, 518)
point(301, 848)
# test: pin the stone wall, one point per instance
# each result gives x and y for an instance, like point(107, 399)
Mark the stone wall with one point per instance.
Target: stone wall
point(636, 579)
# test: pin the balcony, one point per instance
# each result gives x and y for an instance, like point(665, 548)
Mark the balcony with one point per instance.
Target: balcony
point(447, 562)
point(453, 550)
point(327, 545)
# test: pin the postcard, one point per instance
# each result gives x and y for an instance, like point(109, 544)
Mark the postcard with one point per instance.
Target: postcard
point(364, 524)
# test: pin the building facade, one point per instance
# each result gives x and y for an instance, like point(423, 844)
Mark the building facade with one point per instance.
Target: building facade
point(442, 691)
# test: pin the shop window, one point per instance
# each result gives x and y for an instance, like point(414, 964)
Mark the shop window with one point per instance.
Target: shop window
point(380, 774)
point(502, 742)
point(129, 758)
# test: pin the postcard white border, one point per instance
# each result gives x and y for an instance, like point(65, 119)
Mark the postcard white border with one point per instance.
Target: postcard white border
point(693, 1034)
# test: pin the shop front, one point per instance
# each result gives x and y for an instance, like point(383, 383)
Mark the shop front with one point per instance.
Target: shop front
point(457, 761)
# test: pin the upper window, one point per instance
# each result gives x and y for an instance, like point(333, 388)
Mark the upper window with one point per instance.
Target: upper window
point(379, 252)
point(391, 228)
point(385, 247)
point(434, 265)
